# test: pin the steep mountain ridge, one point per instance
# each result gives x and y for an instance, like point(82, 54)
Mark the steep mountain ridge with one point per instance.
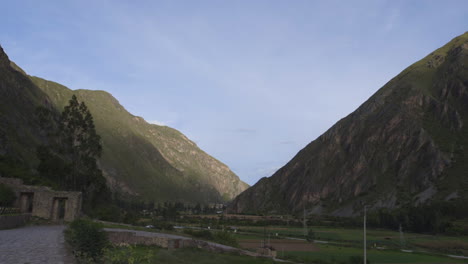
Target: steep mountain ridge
point(18, 132)
point(405, 145)
point(181, 161)
point(155, 163)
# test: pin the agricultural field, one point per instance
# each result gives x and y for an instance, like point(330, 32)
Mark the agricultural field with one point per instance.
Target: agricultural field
point(151, 254)
point(326, 244)
point(334, 245)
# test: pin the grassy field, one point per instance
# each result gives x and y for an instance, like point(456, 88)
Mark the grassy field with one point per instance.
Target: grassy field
point(379, 238)
point(335, 254)
point(147, 254)
point(344, 243)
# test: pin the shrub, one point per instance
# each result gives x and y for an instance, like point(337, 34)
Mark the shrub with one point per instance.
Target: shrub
point(310, 235)
point(107, 213)
point(129, 255)
point(7, 196)
point(87, 238)
point(357, 260)
point(221, 237)
point(225, 238)
point(162, 225)
point(202, 234)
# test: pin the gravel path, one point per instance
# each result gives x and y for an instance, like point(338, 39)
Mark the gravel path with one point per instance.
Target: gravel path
point(34, 244)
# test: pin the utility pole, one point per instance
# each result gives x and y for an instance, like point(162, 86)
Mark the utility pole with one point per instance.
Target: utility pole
point(305, 222)
point(365, 248)
point(402, 239)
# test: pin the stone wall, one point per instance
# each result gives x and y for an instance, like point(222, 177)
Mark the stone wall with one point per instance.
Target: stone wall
point(42, 201)
point(130, 238)
point(11, 181)
point(46, 204)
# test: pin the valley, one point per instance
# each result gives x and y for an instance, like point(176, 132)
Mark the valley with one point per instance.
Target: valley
point(250, 132)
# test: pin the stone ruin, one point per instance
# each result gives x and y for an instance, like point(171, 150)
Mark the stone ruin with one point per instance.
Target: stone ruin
point(42, 201)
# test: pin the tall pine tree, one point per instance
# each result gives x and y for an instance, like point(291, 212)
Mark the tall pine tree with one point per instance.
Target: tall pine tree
point(70, 158)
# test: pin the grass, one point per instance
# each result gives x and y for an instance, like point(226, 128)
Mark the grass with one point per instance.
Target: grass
point(155, 163)
point(347, 242)
point(141, 228)
point(149, 254)
point(344, 243)
point(335, 254)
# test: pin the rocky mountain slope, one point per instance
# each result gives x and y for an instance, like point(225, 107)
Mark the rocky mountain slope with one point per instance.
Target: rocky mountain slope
point(407, 144)
point(155, 163)
point(18, 131)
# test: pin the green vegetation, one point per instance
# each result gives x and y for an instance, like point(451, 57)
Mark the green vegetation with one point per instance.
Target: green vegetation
point(344, 245)
point(87, 239)
point(7, 197)
point(90, 245)
point(15, 168)
point(70, 157)
point(436, 218)
point(149, 254)
point(221, 237)
point(144, 161)
point(330, 254)
point(157, 162)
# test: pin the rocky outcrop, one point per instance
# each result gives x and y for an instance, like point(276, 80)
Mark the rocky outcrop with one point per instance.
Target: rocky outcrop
point(407, 138)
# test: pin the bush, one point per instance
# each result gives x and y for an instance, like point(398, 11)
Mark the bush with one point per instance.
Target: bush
point(310, 235)
point(87, 238)
point(225, 238)
point(162, 225)
point(107, 213)
point(7, 196)
point(129, 255)
point(202, 234)
point(221, 237)
point(357, 260)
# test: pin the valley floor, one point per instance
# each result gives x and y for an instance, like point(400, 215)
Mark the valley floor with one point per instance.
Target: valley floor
point(337, 245)
point(332, 245)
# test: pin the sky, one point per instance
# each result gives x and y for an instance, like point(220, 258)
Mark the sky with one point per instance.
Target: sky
point(251, 82)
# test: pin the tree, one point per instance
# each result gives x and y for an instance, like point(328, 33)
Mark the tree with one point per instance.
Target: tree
point(310, 235)
point(7, 197)
point(70, 157)
point(82, 144)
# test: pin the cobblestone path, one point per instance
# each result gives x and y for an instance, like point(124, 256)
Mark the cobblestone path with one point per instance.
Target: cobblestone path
point(33, 244)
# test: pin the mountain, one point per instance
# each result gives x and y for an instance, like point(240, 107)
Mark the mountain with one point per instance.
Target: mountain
point(18, 131)
point(151, 162)
point(407, 144)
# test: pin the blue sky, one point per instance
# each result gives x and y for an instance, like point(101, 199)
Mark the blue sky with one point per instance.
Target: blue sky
point(251, 82)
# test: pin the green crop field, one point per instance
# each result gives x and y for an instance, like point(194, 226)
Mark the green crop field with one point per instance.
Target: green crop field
point(148, 254)
point(346, 242)
point(335, 254)
point(337, 245)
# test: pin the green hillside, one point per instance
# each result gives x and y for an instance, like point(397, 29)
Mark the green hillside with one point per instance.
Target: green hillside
point(149, 162)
